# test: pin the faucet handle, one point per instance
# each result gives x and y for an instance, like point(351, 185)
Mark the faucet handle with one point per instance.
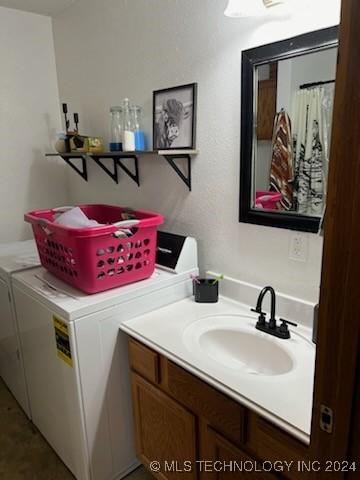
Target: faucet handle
point(284, 326)
point(257, 310)
point(287, 322)
point(262, 316)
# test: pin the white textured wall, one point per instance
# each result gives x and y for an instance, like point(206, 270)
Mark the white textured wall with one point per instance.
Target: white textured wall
point(109, 49)
point(316, 67)
point(29, 118)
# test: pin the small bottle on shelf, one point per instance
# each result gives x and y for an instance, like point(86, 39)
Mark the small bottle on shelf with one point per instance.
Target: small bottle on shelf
point(128, 130)
point(139, 133)
point(115, 144)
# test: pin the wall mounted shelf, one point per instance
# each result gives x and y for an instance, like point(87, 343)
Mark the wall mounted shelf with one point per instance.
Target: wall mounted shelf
point(118, 158)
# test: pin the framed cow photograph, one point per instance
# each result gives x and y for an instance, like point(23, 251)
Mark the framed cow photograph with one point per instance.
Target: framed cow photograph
point(174, 118)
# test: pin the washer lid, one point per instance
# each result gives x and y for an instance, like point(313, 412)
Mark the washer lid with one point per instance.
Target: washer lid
point(17, 256)
point(70, 303)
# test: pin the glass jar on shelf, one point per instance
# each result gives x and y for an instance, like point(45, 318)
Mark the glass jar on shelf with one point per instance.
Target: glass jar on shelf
point(128, 128)
point(138, 131)
point(116, 123)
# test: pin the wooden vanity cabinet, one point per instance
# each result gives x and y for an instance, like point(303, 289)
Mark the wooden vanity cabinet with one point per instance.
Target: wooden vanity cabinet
point(180, 418)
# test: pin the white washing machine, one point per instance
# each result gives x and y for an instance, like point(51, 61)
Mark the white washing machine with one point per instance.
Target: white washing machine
point(14, 257)
point(76, 360)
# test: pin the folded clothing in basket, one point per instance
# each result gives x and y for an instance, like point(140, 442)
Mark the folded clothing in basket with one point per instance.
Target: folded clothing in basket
point(76, 218)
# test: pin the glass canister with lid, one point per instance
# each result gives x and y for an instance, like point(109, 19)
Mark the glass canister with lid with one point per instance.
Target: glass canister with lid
point(138, 131)
point(128, 129)
point(116, 123)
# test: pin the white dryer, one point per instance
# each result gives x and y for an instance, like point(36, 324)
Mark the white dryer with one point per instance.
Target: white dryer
point(14, 257)
point(76, 360)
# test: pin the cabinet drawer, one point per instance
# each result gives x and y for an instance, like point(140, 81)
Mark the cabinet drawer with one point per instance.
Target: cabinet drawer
point(144, 361)
point(224, 414)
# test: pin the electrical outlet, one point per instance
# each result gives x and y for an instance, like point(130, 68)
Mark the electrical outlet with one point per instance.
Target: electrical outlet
point(298, 248)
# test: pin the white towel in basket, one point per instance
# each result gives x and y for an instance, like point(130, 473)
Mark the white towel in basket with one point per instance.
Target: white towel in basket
point(76, 218)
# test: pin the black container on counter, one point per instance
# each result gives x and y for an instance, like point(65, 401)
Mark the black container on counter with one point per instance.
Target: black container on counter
point(206, 290)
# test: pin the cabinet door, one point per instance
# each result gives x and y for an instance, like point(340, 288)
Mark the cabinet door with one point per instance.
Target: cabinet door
point(266, 109)
point(165, 431)
point(223, 460)
point(273, 444)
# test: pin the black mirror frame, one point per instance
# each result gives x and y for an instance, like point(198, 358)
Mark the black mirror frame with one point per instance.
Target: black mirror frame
point(293, 47)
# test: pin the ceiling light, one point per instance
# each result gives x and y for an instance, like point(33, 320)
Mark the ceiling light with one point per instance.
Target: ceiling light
point(245, 8)
point(273, 3)
point(251, 8)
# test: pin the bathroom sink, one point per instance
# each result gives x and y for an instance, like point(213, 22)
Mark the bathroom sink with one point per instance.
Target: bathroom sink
point(233, 342)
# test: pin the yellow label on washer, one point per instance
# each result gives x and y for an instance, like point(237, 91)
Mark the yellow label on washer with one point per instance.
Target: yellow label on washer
point(62, 339)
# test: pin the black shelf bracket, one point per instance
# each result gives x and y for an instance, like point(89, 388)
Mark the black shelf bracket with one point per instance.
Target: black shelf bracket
point(112, 174)
point(118, 161)
point(82, 172)
point(134, 176)
point(171, 161)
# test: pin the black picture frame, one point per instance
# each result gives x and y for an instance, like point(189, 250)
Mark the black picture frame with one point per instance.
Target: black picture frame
point(194, 90)
point(293, 47)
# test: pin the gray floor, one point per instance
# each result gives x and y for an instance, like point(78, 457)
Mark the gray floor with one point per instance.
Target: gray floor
point(24, 454)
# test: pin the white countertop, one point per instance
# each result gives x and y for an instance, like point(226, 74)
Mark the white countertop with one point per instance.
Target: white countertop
point(285, 400)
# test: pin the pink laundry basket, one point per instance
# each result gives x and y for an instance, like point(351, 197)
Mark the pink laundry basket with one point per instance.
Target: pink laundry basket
point(97, 259)
point(267, 200)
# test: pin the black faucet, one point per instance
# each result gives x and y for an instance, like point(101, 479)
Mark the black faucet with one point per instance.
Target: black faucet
point(270, 327)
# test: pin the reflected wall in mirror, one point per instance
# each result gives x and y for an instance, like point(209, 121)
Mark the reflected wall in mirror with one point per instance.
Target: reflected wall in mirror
point(287, 103)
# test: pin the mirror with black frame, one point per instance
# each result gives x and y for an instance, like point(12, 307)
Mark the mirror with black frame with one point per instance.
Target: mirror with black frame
point(287, 103)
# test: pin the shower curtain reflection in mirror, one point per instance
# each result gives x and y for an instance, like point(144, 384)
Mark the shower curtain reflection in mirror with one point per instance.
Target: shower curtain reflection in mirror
point(298, 152)
point(312, 113)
